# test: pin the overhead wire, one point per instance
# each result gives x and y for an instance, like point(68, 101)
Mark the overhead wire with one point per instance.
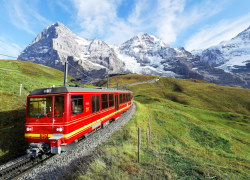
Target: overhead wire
point(80, 71)
point(8, 56)
point(4, 69)
point(17, 70)
point(30, 73)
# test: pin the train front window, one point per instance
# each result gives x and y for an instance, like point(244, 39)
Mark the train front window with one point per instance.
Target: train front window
point(39, 107)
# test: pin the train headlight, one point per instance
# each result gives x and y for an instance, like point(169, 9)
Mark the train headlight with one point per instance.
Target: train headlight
point(59, 129)
point(28, 129)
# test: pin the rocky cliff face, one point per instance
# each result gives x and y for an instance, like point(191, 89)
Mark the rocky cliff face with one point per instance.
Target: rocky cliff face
point(225, 64)
point(57, 44)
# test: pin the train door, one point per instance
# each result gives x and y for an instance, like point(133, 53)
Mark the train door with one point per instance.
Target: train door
point(95, 103)
point(58, 116)
point(116, 102)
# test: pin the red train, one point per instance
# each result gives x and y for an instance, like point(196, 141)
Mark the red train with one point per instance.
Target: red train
point(57, 117)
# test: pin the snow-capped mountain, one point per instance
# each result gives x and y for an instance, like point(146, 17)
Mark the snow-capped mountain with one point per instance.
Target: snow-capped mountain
point(146, 54)
point(230, 55)
point(56, 44)
point(143, 54)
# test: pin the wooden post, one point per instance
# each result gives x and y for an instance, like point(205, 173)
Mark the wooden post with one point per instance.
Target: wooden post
point(139, 143)
point(117, 85)
point(149, 126)
point(20, 91)
point(147, 136)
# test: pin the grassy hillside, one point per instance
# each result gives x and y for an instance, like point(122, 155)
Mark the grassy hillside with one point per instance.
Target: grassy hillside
point(12, 106)
point(124, 79)
point(198, 131)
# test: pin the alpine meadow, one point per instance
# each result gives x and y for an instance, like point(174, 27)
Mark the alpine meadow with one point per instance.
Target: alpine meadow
point(197, 130)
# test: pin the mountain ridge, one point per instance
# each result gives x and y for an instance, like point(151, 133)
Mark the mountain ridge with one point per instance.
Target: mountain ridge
point(142, 54)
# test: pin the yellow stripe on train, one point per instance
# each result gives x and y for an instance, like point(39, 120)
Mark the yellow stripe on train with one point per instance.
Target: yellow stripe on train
point(69, 135)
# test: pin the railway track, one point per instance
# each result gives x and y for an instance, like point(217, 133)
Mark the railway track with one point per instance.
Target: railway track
point(18, 168)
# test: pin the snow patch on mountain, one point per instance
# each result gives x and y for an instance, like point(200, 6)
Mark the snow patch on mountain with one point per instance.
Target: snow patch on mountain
point(230, 55)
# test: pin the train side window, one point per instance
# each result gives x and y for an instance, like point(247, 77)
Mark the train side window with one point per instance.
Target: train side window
point(104, 101)
point(59, 106)
point(76, 104)
point(120, 98)
point(111, 100)
point(95, 100)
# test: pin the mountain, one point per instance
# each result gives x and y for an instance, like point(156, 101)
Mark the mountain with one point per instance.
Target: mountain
point(56, 44)
point(145, 54)
point(142, 54)
point(232, 55)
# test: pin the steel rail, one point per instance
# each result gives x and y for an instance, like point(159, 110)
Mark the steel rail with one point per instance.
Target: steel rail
point(21, 167)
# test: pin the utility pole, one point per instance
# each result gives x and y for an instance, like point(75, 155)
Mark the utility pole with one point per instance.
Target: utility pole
point(108, 81)
point(108, 75)
point(65, 73)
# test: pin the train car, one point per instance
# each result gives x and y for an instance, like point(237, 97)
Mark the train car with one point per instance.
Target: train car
point(57, 117)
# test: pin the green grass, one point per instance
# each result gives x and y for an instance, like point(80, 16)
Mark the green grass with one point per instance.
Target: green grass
point(124, 80)
point(198, 131)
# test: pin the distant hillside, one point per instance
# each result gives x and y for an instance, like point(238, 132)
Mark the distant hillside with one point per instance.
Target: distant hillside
point(12, 105)
point(124, 80)
point(30, 75)
point(198, 130)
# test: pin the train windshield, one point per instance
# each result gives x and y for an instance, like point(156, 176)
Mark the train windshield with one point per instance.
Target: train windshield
point(40, 107)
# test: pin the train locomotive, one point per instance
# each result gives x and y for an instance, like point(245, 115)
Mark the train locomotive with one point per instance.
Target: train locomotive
point(57, 117)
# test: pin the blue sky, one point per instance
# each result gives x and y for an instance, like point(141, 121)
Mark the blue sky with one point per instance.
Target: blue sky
point(194, 24)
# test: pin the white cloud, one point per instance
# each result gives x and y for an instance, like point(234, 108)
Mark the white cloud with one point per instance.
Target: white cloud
point(9, 48)
point(24, 15)
point(95, 15)
point(165, 19)
point(214, 34)
point(174, 17)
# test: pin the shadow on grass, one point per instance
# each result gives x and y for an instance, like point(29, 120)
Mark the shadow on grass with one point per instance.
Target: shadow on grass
point(12, 142)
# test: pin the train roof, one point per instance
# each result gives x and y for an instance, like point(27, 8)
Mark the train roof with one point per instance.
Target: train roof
point(64, 89)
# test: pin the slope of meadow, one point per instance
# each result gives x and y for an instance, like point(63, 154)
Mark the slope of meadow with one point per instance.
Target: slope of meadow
point(12, 105)
point(197, 130)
